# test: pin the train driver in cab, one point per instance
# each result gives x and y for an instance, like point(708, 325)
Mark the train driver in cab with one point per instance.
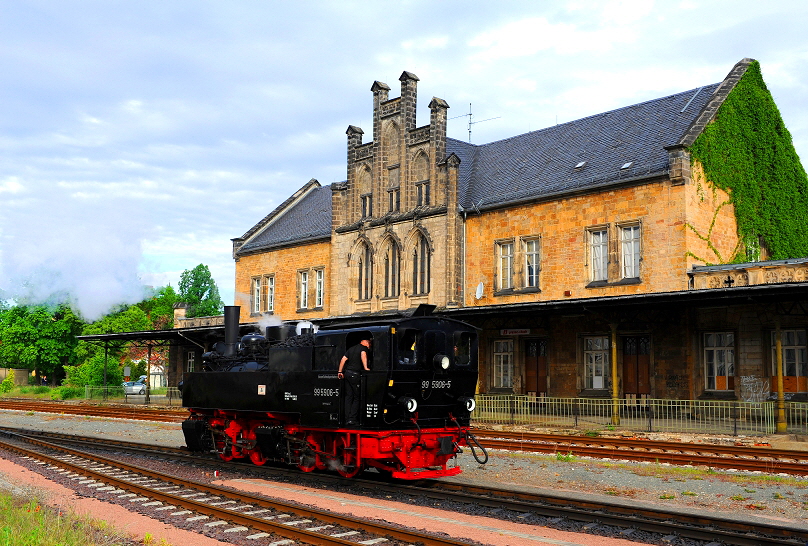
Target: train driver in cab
point(356, 360)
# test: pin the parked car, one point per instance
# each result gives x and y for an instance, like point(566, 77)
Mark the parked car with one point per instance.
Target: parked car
point(134, 387)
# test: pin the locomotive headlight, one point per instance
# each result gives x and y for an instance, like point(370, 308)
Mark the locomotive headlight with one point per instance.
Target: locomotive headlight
point(410, 404)
point(441, 361)
point(468, 402)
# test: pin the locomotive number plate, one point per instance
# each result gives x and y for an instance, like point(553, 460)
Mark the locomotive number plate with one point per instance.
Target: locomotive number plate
point(325, 392)
point(447, 384)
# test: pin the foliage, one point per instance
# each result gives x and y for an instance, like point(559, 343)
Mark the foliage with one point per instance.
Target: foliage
point(127, 319)
point(91, 372)
point(66, 393)
point(748, 152)
point(160, 308)
point(199, 290)
point(38, 338)
point(8, 383)
point(26, 522)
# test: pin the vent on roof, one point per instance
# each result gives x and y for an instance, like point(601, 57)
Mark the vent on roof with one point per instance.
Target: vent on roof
point(580, 165)
point(627, 165)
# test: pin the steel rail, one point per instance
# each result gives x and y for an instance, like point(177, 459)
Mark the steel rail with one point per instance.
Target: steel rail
point(308, 537)
point(656, 520)
point(776, 461)
point(143, 413)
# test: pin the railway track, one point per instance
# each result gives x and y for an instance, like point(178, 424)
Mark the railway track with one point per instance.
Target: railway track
point(124, 411)
point(753, 459)
point(626, 516)
point(188, 500)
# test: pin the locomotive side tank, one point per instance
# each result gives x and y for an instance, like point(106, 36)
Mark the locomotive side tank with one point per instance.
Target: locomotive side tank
point(278, 397)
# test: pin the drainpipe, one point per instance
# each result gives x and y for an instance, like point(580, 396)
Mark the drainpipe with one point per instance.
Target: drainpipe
point(615, 389)
point(782, 425)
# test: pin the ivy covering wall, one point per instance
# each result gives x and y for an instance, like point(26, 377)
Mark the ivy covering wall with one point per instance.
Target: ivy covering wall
point(748, 152)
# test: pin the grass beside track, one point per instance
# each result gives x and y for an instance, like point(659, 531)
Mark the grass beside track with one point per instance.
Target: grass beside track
point(27, 522)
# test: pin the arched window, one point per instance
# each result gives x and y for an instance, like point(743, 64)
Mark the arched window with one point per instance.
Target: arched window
point(392, 144)
point(392, 267)
point(365, 195)
point(420, 267)
point(365, 273)
point(420, 176)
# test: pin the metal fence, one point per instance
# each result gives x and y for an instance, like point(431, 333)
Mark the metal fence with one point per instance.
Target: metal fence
point(647, 415)
point(160, 396)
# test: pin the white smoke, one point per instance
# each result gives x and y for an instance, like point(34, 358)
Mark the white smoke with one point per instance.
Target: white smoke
point(87, 258)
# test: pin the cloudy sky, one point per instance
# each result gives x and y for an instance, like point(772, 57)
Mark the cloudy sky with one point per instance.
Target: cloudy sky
point(138, 138)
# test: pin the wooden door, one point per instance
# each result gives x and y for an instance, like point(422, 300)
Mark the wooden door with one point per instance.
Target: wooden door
point(535, 360)
point(636, 366)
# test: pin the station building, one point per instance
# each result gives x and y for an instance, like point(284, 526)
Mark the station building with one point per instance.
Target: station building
point(607, 256)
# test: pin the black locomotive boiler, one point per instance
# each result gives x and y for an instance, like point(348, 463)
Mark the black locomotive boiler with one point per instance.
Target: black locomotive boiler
point(277, 397)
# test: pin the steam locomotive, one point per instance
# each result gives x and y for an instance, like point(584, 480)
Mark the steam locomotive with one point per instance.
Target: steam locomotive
point(277, 397)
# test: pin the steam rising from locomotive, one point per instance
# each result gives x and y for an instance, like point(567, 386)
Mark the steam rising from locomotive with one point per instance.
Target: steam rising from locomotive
point(276, 396)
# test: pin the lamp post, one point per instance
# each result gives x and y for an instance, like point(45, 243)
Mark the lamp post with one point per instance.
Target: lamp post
point(615, 386)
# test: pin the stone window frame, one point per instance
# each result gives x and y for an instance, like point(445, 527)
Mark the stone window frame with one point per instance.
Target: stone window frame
point(366, 205)
point(593, 274)
point(255, 295)
point(269, 292)
point(319, 287)
point(524, 241)
point(637, 265)
point(421, 263)
point(709, 352)
point(364, 266)
point(303, 287)
point(392, 270)
point(499, 271)
point(422, 193)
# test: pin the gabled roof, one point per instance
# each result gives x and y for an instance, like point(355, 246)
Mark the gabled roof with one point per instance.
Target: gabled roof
point(304, 217)
point(542, 163)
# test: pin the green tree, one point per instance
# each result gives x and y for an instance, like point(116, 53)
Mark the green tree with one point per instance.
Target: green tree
point(199, 290)
point(91, 372)
point(39, 339)
point(160, 308)
point(128, 319)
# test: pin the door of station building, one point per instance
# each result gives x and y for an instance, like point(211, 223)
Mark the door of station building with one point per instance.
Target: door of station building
point(636, 367)
point(535, 355)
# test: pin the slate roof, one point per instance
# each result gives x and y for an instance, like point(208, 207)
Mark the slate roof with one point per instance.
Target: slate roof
point(542, 163)
point(308, 219)
point(535, 165)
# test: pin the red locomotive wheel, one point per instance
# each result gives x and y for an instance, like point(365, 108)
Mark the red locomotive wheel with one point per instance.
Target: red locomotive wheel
point(348, 464)
point(257, 457)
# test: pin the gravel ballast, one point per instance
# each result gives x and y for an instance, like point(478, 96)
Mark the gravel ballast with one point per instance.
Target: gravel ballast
point(780, 498)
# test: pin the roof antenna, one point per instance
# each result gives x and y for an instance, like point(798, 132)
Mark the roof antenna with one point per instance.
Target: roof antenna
point(470, 115)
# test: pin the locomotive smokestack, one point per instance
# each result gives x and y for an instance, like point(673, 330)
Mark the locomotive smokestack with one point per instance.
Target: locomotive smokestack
point(231, 314)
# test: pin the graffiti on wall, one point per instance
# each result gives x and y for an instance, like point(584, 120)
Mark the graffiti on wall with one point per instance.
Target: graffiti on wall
point(754, 389)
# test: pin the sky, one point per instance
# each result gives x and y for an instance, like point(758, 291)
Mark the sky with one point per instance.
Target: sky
point(138, 138)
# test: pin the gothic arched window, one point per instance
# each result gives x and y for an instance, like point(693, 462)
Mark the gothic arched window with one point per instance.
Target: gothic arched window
point(420, 267)
point(365, 273)
point(392, 268)
point(420, 176)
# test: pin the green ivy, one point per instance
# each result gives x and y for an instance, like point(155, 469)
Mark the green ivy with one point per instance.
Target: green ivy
point(748, 152)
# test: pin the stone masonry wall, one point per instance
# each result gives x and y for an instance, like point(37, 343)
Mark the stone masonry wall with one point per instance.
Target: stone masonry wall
point(284, 264)
point(562, 226)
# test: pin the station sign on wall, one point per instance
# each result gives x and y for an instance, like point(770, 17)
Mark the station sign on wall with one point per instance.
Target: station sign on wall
point(514, 332)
